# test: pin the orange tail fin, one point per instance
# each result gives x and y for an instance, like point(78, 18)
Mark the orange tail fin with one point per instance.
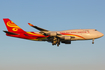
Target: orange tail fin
point(11, 26)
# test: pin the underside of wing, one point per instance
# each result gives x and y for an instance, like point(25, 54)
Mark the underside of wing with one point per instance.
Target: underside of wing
point(54, 36)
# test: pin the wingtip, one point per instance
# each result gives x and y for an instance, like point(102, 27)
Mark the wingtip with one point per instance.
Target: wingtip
point(30, 24)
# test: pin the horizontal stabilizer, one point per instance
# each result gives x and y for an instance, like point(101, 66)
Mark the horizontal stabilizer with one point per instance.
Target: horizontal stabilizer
point(38, 28)
point(10, 33)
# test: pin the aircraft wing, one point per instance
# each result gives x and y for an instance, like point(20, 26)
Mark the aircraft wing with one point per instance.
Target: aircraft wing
point(54, 36)
point(47, 32)
point(40, 29)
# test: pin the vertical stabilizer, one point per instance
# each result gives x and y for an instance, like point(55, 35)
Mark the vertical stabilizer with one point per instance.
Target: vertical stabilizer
point(11, 26)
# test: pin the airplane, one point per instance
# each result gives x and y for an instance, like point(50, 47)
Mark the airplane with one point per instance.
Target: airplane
point(54, 37)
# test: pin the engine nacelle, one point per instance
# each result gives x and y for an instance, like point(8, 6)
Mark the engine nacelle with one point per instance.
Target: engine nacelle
point(53, 34)
point(66, 42)
point(67, 38)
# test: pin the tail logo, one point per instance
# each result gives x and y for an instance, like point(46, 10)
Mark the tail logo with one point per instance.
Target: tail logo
point(11, 24)
point(15, 29)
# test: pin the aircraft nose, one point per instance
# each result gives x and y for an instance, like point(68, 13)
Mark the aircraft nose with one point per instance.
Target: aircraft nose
point(101, 34)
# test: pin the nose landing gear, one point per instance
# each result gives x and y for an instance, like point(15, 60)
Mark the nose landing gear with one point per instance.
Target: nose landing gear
point(93, 41)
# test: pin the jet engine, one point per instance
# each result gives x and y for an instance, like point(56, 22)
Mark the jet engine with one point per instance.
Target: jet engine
point(53, 34)
point(67, 38)
point(66, 42)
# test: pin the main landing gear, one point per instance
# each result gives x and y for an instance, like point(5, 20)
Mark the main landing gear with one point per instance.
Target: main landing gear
point(56, 41)
point(93, 41)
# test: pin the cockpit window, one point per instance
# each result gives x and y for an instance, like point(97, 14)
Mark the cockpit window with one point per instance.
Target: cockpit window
point(95, 30)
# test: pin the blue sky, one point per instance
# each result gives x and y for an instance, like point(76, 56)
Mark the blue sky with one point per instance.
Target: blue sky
point(54, 15)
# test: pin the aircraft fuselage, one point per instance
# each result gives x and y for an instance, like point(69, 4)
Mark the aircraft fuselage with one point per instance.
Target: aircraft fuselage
point(55, 37)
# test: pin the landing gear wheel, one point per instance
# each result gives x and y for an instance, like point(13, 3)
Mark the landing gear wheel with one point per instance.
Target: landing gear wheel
point(57, 45)
point(54, 42)
point(93, 41)
point(58, 42)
